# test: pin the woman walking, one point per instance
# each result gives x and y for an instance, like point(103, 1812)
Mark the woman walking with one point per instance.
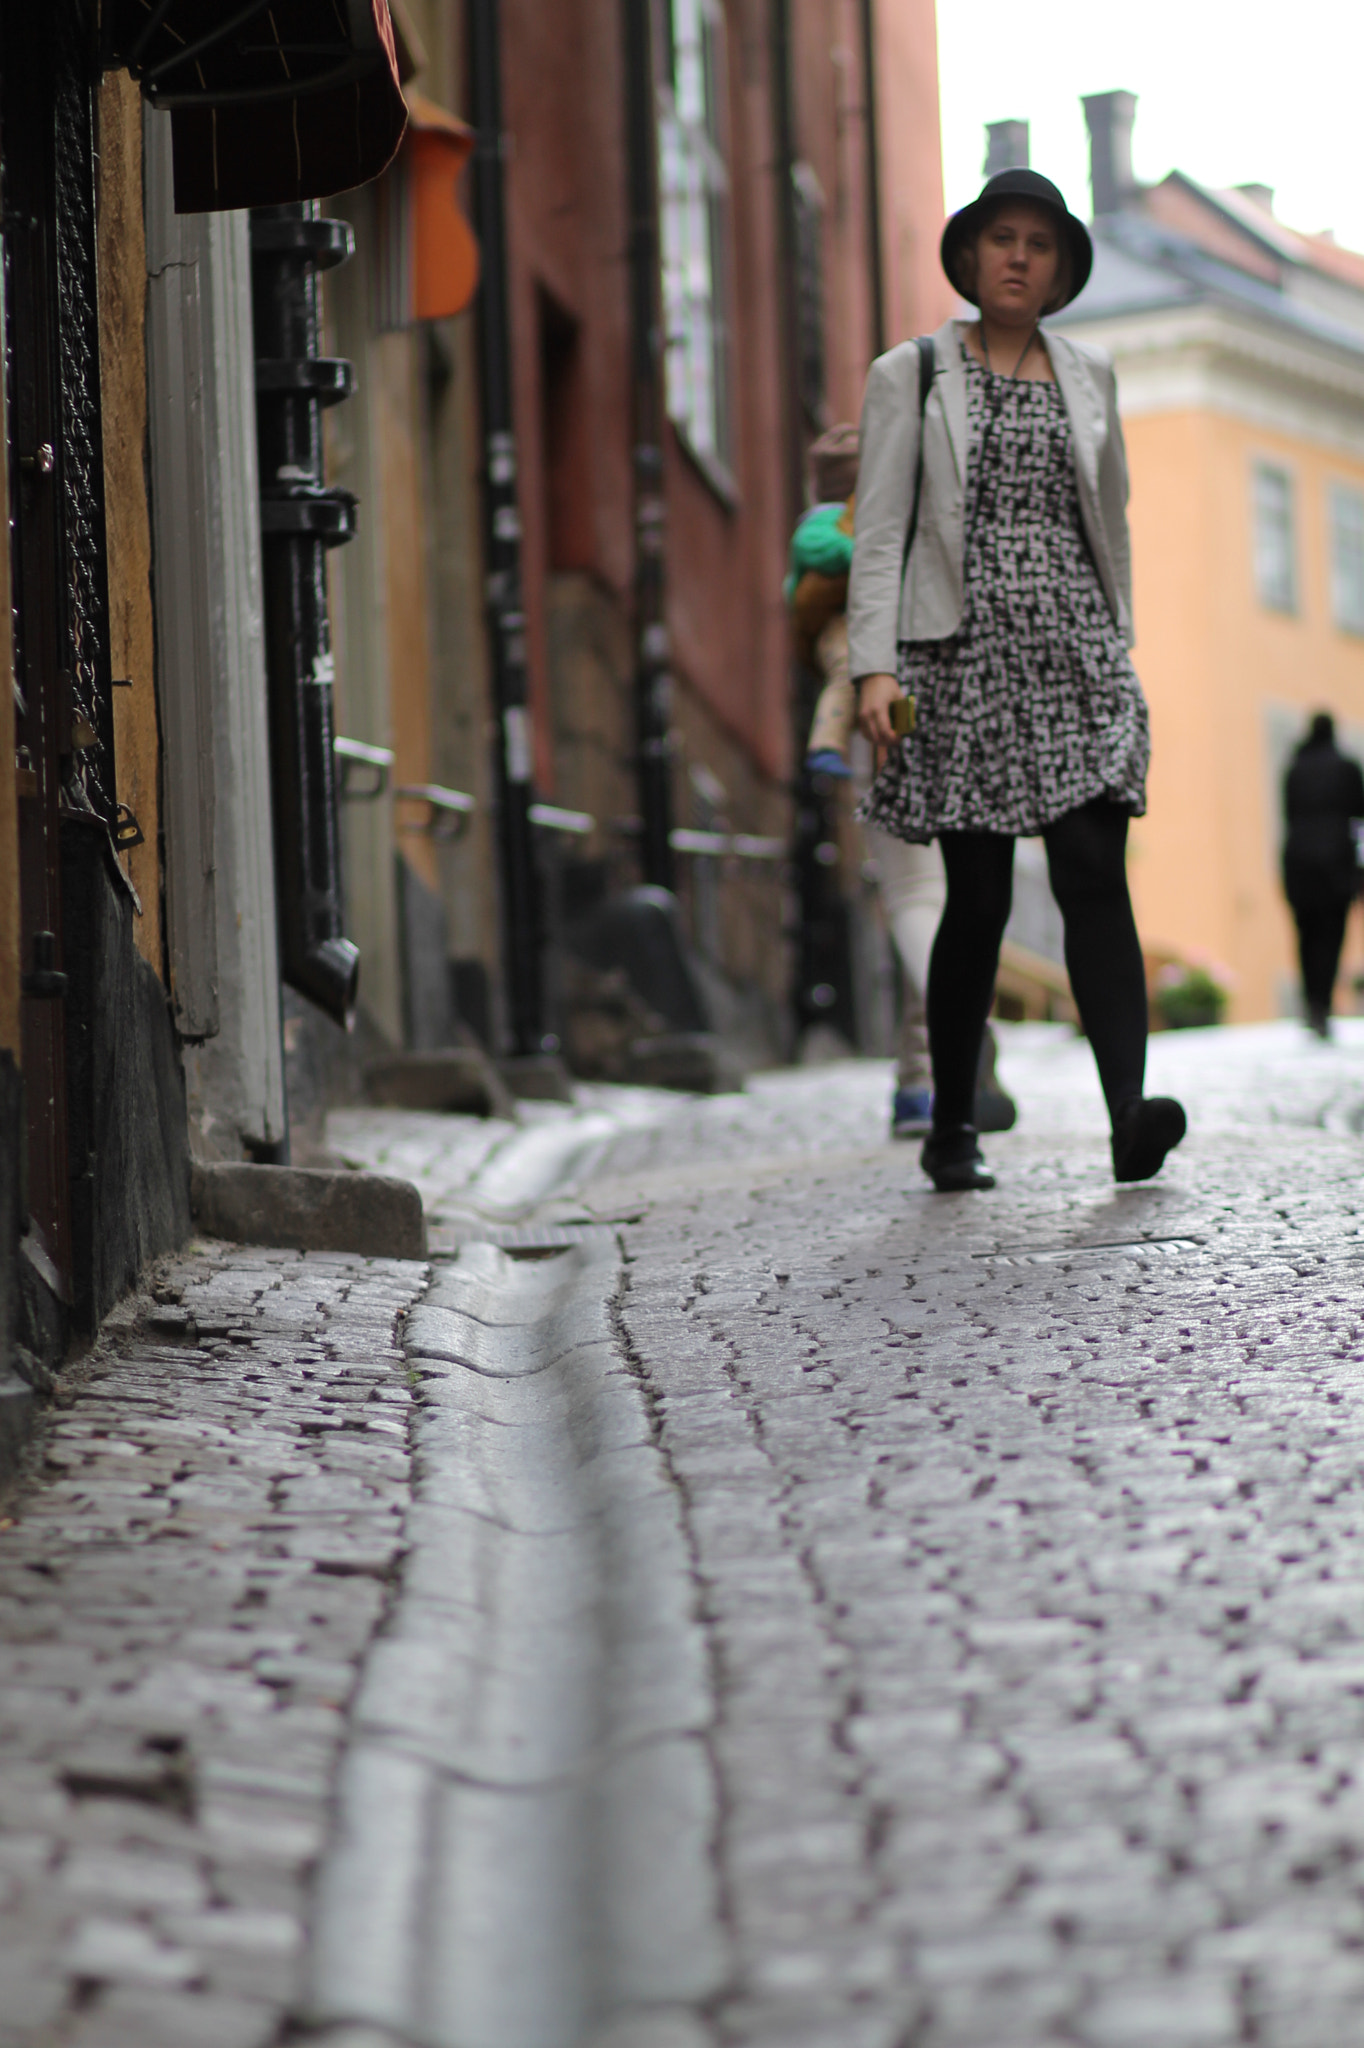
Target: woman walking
point(991, 587)
point(1323, 796)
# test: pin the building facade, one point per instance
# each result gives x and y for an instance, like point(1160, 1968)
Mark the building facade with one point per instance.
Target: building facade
point(396, 581)
point(780, 264)
point(142, 915)
point(1239, 346)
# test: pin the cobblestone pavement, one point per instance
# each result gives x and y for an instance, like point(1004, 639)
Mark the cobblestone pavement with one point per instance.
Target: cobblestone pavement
point(185, 1595)
point(1027, 1529)
point(1023, 1532)
point(482, 1176)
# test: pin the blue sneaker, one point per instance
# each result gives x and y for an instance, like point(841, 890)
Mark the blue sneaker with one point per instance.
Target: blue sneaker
point(826, 761)
point(911, 1113)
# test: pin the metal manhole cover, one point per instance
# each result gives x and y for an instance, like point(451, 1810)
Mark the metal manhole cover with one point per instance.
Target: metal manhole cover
point(1117, 1248)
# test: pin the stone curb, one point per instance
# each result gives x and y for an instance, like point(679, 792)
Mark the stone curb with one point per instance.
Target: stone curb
point(309, 1209)
point(525, 1813)
point(16, 1422)
point(458, 1079)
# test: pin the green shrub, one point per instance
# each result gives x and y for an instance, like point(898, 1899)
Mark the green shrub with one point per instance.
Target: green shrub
point(1187, 997)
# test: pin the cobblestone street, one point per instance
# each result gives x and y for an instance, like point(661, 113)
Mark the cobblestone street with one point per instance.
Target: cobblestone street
point(1027, 1528)
point(942, 1618)
point(185, 1598)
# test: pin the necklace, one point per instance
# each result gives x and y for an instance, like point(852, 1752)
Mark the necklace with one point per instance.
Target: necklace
point(985, 350)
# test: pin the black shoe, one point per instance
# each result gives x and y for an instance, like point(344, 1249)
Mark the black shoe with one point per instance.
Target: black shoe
point(1319, 1019)
point(1143, 1133)
point(951, 1159)
point(994, 1110)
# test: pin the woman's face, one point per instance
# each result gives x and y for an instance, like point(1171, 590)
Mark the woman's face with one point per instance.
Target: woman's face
point(1017, 257)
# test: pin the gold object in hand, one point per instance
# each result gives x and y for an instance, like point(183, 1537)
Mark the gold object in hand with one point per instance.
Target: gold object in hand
point(902, 717)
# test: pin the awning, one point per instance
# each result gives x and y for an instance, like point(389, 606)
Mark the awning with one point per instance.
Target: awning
point(270, 100)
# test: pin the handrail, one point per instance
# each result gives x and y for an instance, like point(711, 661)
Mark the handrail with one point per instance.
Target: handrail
point(726, 845)
point(552, 819)
point(451, 809)
point(357, 754)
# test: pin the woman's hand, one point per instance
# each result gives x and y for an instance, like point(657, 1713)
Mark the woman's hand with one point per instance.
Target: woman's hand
point(875, 695)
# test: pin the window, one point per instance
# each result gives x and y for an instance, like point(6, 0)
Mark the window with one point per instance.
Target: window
point(694, 196)
point(1275, 554)
point(1347, 558)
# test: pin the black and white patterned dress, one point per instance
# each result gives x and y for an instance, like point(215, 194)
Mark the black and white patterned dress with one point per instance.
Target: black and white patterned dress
point(1032, 706)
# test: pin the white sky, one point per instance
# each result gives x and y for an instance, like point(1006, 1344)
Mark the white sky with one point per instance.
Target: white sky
point(1228, 90)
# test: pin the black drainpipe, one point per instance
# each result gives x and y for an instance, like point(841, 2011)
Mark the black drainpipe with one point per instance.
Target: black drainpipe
point(522, 916)
point(653, 684)
point(873, 150)
point(300, 519)
point(784, 150)
point(823, 989)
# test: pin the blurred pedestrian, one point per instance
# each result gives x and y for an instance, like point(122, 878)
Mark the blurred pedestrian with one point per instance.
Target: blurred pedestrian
point(990, 588)
point(1323, 796)
point(909, 877)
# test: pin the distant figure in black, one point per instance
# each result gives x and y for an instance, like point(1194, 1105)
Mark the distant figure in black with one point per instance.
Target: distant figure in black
point(1323, 792)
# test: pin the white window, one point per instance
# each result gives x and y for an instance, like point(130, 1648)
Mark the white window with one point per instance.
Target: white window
point(1276, 575)
point(694, 195)
point(1347, 558)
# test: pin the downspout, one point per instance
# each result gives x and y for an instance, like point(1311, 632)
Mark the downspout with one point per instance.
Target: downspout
point(653, 685)
point(821, 992)
point(522, 920)
point(300, 519)
point(783, 126)
point(873, 174)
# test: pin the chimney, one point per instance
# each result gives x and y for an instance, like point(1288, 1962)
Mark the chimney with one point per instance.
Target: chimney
point(1259, 195)
point(1006, 147)
point(1110, 116)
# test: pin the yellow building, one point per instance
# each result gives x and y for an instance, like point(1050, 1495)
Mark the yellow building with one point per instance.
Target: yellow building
point(1239, 348)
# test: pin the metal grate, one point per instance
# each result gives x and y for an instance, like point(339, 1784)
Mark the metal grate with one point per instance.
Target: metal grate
point(89, 778)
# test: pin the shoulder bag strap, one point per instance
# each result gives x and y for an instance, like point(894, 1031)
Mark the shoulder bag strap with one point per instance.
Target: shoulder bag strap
point(928, 369)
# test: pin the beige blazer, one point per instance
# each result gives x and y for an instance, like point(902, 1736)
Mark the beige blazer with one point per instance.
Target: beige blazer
point(883, 609)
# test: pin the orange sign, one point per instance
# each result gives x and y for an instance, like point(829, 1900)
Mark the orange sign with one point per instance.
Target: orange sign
point(445, 260)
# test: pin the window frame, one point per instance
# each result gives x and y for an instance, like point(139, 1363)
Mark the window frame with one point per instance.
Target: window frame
point(694, 201)
point(1287, 601)
point(1340, 494)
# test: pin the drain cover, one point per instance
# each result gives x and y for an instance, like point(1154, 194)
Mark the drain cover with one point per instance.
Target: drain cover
point(1117, 1248)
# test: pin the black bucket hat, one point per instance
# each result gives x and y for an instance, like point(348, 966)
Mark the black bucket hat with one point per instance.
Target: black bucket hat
point(967, 223)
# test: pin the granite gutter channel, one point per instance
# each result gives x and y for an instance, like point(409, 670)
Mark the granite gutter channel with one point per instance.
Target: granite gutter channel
point(523, 1849)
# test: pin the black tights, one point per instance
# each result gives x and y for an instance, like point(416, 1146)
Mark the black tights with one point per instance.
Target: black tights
point(1321, 934)
point(1086, 857)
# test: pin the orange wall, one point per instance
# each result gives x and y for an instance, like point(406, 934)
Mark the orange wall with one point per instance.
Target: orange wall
point(123, 382)
point(1212, 659)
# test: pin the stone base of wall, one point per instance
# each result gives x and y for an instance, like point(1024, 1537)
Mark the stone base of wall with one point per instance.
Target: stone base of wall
point(736, 913)
point(129, 1144)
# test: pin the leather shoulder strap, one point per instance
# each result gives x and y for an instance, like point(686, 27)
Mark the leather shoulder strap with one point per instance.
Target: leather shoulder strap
point(928, 367)
point(928, 370)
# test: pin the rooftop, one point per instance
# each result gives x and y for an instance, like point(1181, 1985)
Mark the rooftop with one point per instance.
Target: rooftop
point(1181, 243)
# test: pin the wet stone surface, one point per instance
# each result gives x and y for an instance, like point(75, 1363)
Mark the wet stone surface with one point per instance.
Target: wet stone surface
point(1029, 1537)
point(186, 1589)
point(1027, 1534)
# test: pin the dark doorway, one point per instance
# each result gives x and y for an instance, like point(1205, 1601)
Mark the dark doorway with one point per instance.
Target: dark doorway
point(568, 503)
